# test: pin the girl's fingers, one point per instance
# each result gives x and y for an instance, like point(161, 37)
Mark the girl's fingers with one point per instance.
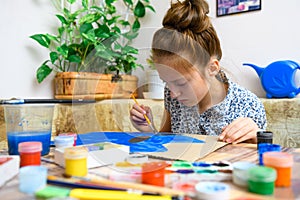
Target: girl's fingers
point(239, 130)
point(139, 108)
point(138, 112)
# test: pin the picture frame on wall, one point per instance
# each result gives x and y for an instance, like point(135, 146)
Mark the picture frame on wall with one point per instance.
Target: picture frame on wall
point(230, 7)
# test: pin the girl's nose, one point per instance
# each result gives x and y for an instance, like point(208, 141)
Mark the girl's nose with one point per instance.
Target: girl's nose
point(175, 94)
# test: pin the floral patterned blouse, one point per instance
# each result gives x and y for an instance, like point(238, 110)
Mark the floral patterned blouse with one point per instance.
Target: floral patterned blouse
point(239, 102)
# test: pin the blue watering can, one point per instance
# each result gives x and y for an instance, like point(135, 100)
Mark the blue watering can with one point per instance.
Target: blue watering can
point(278, 78)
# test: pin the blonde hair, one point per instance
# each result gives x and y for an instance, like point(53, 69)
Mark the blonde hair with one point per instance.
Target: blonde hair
point(187, 32)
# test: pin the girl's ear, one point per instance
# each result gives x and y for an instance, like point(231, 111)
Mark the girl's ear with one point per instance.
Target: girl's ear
point(214, 67)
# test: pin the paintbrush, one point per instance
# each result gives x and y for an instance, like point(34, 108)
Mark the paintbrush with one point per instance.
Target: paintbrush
point(143, 138)
point(122, 185)
point(41, 101)
point(145, 116)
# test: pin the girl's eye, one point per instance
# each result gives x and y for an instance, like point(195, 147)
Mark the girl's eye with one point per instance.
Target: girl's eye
point(181, 84)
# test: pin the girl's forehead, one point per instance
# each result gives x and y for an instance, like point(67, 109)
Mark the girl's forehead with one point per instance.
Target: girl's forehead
point(172, 74)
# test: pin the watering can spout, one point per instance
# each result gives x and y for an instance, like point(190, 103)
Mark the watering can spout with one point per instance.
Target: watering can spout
point(258, 70)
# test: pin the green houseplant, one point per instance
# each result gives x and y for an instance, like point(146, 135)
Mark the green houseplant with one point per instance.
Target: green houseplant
point(93, 37)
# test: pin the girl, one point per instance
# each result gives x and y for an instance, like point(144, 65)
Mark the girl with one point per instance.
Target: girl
point(199, 98)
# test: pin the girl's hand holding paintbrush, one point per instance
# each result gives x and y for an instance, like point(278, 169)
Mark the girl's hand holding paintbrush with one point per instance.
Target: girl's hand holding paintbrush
point(138, 117)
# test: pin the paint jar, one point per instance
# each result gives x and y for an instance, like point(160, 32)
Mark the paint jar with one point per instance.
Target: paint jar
point(63, 141)
point(264, 137)
point(75, 161)
point(188, 187)
point(30, 153)
point(28, 123)
point(153, 173)
point(261, 180)
point(240, 172)
point(32, 178)
point(282, 162)
point(266, 147)
point(70, 134)
point(210, 190)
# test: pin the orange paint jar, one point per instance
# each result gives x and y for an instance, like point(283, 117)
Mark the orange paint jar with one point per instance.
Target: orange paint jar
point(153, 173)
point(282, 162)
point(30, 153)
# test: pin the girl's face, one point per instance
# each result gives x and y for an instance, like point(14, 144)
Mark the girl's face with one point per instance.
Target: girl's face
point(188, 86)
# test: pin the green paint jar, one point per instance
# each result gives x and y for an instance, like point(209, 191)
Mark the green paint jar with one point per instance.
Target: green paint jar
point(261, 180)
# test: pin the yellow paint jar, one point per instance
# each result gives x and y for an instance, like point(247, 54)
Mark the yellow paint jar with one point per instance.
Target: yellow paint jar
point(75, 161)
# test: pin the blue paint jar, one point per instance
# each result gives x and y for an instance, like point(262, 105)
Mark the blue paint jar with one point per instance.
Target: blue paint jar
point(266, 147)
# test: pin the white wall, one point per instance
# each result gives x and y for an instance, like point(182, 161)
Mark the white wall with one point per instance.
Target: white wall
point(260, 37)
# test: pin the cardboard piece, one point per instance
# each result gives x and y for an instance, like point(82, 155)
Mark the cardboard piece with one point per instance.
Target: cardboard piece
point(190, 151)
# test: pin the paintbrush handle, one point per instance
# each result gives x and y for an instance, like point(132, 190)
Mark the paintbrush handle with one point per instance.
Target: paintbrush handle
point(47, 101)
point(139, 186)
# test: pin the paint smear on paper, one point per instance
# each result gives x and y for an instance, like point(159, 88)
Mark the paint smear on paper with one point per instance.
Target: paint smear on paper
point(153, 144)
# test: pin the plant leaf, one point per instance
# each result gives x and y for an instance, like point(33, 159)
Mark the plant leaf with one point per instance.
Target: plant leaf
point(63, 50)
point(151, 8)
point(129, 2)
point(129, 49)
point(84, 28)
point(43, 71)
point(84, 3)
point(131, 35)
point(109, 2)
point(89, 18)
point(53, 57)
point(74, 58)
point(136, 25)
point(42, 39)
point(62, 19)
point(71, 1)
point(139, 9)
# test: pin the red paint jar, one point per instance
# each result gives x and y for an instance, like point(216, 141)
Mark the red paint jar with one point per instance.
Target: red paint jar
point(153, 173)
point(30, 153)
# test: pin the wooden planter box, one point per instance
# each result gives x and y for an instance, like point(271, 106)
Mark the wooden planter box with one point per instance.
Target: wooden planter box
point(85, 85)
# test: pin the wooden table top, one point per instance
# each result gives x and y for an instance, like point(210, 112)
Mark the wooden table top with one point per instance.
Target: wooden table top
point(231, 153)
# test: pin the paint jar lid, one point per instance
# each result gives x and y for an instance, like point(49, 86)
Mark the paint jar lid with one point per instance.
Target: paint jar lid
point(30, 147)
point(75, 153)
point(262, 174)
point(266, 147)
point(154, 166)
point(265, 134)
point(240, 172)
point(278, 159)
point(242, 165)
point(212, 190)
point(64, 141)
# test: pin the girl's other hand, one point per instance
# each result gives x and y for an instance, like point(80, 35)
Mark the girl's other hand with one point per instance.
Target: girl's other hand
point(240, 130)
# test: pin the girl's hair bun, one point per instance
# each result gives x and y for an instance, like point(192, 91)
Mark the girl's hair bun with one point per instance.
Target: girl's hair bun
point(188, 15)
